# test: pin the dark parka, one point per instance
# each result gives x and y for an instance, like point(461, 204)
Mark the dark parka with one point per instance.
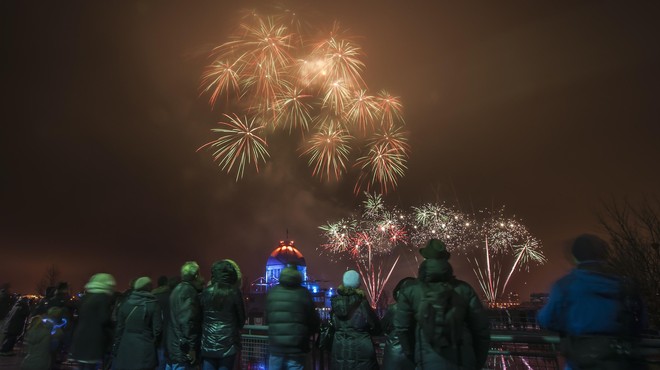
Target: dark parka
point(290, 315)
point(393, 356)
point(223, 313)
point(475, 339)
point(15, 320)
point(354, 322)
point(185, 322)
point(5, 303)
point(93, 335)
point(139, 325)
point(162, 294)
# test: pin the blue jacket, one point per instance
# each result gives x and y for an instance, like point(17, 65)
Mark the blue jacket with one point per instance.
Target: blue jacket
point(590, 301)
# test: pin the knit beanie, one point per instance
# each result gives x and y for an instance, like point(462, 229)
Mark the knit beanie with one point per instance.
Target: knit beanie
point(101, 283)
point(588, 247)
point(142, 283)
point(351, 279)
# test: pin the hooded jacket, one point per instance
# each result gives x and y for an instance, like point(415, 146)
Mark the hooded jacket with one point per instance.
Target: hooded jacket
point(354, 322)
point(93, 334)
point(139, 327)
point(475, 334)
point(223, 313)
point(290, 315)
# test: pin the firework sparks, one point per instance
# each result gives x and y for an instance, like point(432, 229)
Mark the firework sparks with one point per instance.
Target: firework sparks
point(285, 79)
point(368, 239)
point(391, 108)
point(328, 151)
point(495, 245)
point(383, 166)
point(293, 110)
point(499, 240)
point(238, 145)
point(363, 110)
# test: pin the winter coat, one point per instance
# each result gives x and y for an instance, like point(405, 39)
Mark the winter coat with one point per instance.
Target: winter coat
point(590, 301)
point(139, 327)
point(184, 324)
point(41, 339)
point(393, 356)
point(162, 294)
point(93, 334)
point(223, 317)
point(474, 336)
point(354, 322)
point(290, 315)
point(5, 304)
point(15, 320)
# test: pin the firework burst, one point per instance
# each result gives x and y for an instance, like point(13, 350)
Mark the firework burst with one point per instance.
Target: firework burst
point(495, 245)
point(239, 145)
point(502, 245)
point(368, 240)
point(328, 151)
point(382, 165)
point(280, 77)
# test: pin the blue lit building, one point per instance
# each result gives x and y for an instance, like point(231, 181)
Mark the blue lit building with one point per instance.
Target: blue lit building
point(285, 254)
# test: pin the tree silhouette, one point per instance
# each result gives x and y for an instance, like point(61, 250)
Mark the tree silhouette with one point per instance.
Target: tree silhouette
point(50, 278)
point(634, 230)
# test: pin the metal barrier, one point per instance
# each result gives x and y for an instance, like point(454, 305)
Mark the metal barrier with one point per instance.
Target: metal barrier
point(508, 351)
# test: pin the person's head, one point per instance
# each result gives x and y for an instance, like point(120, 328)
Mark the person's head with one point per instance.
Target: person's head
point(351, 279)
point(588, 247)
point(55, 313)
point(435, 249)
point(50, 291)
point(101, 283)
point(174, 281)
point(290, 277)
point(63, 288)
point(142, 284)
point(239, 275)
point(434, 270)
point(223, 272)
point(400, 285)
point(163, 281)
point(190, 271)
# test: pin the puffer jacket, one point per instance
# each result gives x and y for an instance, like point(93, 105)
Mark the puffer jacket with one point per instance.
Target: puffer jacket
point(290, 315)
point(139, 327)
point(393, 356)
point(475, 336)
point(185, 322)
point(223, 315)
point(354, 322)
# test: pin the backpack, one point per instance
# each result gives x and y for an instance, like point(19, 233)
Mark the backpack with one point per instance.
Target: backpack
point(441, 316)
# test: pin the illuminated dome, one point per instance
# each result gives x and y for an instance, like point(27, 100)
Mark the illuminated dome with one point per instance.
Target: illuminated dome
point(286, 253)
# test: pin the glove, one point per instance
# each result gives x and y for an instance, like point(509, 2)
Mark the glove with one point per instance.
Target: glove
point(192, 357)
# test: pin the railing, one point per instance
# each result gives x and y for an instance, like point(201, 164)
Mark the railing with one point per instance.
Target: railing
point(506, 352)
point(511, 350)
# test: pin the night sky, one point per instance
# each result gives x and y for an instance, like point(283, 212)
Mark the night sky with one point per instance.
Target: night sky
point(545, 107)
